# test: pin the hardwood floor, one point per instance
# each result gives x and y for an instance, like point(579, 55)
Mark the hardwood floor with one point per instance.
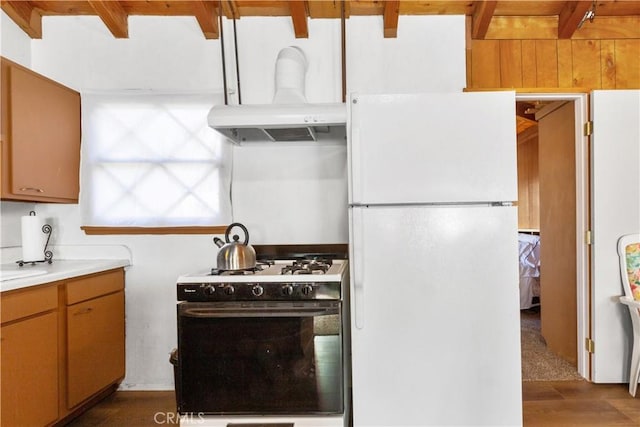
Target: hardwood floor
point(131, 409)
point(579, 403)
point(545, 403)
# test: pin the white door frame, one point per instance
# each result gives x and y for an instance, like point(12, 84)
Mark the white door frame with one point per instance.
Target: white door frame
point(580, 101)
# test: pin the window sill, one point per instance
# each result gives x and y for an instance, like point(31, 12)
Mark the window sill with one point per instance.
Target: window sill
point(214, 229)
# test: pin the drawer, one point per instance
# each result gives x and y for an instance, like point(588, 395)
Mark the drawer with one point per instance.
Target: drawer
point(94, 286)
point(28, 301)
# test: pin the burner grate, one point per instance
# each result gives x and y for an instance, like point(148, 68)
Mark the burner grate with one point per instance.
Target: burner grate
point(308, 266)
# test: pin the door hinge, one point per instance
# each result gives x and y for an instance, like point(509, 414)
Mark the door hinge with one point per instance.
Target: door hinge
point(589, 345)
point(588, 128)
point(588, 237)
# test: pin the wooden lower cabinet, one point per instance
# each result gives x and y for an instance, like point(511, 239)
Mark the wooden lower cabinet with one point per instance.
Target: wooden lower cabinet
point(62, 347)
point(95, 346)
point(29, 369)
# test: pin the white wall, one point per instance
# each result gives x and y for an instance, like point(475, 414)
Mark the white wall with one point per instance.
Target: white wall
point(14, 43)
point(10, 233)
point(427, 56)
point(306, 202)
point(160, 54)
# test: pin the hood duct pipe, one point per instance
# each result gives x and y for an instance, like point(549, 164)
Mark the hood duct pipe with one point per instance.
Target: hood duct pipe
point(289, 78)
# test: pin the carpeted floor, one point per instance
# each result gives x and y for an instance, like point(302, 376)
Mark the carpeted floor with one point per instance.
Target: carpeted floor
point(538, 362)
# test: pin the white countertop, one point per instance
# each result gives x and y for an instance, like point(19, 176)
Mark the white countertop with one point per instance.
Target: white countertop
point(74, 261)
point(59, 270)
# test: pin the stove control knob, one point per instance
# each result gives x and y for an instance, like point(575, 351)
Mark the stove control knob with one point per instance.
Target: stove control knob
point(307, 290)
point(287, 290)
point(209, 289)
point(257, 290)
point(229, 290)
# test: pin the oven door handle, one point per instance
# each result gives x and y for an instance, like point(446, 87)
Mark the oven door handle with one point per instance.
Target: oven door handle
point(235, 312)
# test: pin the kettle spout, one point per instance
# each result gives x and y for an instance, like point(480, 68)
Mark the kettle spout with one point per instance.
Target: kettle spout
point(219, 242)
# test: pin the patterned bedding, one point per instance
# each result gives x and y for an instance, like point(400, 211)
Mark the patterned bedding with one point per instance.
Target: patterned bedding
point(529, 266)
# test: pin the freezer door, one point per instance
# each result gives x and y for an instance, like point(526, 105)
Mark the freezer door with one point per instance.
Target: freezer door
point(435, 325)
point(432, 148)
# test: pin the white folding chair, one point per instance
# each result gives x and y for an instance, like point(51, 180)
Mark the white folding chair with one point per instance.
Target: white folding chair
point(629, 255)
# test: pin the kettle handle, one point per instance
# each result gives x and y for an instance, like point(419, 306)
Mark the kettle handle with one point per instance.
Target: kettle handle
point(244, 229)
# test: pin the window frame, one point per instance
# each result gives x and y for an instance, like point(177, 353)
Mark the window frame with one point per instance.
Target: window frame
point(134, 230)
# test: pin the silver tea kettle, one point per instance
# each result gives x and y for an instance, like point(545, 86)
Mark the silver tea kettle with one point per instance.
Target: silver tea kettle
point(234, 255)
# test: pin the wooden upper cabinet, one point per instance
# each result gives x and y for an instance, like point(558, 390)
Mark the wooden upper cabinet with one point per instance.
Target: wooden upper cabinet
point(40, 137)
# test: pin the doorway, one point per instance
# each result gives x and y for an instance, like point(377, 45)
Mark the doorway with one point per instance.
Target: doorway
point(560, 213)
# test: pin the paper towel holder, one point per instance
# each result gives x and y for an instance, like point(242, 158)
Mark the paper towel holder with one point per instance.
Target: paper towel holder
point(48, 255)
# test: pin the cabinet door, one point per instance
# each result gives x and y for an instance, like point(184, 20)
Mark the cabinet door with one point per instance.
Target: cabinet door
point(44, 137)
point(95, 346)
point(30, 371)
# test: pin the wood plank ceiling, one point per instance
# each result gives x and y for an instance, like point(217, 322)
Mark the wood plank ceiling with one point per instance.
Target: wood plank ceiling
point(568, 15)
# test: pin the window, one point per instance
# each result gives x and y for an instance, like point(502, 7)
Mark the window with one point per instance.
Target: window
point(150, 160)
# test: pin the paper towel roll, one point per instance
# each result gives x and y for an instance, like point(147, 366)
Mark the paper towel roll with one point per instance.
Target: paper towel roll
point(33, 239)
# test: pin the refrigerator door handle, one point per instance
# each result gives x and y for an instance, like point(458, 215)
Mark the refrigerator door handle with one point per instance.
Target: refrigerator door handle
point(358, 273)
point(356, 164)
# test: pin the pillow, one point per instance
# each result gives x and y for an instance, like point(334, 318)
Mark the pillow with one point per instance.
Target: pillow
point(633, 269)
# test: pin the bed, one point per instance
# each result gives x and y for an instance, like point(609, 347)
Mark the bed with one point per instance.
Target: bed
point(529, 266)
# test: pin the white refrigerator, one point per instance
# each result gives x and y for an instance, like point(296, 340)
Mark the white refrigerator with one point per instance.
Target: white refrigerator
point(435, 323)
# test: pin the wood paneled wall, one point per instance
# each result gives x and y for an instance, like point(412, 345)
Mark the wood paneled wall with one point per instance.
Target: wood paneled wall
point(528, 180)
point(588, 64)
point(526, 53)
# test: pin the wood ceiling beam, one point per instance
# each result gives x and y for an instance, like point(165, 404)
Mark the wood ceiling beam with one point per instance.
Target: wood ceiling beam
point(548, 19)
point(482, 16)
point(207, 17)
point(390, 17)
point(25, 16)
point(570, 17)
point(299, 18)
point(113, 16)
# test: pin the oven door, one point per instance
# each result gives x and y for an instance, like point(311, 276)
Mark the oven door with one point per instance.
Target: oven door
point(260, 358)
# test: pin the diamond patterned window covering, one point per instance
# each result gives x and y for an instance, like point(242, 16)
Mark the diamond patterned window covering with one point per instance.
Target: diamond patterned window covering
point(150, 160)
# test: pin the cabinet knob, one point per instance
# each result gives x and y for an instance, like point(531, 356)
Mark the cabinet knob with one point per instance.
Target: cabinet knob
point(38, 190)
point(83, 311)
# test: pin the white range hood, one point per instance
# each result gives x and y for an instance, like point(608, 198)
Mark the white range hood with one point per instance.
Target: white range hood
point(280, 122)
point(290, 117)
